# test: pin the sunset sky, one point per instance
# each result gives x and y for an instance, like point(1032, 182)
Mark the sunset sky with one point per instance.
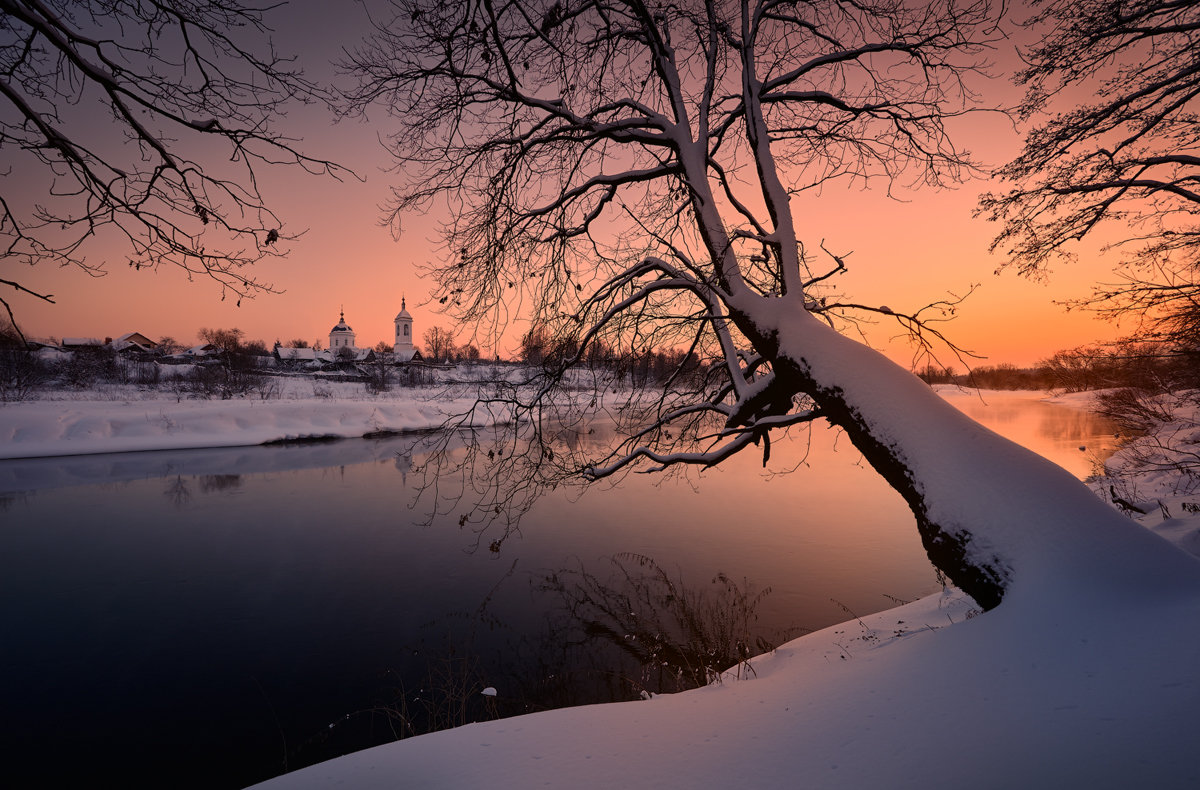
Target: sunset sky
point(904, 253)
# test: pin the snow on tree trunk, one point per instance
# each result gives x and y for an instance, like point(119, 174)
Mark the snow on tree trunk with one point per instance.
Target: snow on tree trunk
point(625, 176)
point(993, 516)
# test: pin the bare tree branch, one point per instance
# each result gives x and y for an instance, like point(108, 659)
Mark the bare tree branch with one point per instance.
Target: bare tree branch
point(106, 111)
point(1124, 163)
point(620, 173)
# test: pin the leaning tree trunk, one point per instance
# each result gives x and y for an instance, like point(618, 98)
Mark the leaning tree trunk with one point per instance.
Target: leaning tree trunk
point(991, 514)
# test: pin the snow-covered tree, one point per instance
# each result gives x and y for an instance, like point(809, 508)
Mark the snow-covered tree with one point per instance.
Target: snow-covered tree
point(622, 171)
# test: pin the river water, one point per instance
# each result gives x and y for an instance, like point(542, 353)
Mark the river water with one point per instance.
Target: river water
point(215, 617)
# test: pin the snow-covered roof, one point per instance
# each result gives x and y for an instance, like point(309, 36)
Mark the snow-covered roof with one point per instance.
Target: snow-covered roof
point(134, 339)
point(289, 353)
point(407, 355)
point(82, 341)
point(344, 354)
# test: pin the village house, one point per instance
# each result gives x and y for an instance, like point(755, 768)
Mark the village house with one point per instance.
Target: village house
point(342, 352)
point(134, 341)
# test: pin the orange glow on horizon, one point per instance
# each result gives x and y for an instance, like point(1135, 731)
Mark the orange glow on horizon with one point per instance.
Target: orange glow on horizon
point(904, 254)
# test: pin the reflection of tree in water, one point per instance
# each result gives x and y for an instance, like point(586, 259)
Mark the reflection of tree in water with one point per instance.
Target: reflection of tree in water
point(640, 631)
point(489, 478)
point(8, 500)
point(1044, 421)
point(1074, 425)
point(634, 633)
point(179, 494)
point(404, 465)
point(214, 483)
point(177, 491)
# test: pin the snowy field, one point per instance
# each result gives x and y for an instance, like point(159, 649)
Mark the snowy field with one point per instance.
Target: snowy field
point(127, 418)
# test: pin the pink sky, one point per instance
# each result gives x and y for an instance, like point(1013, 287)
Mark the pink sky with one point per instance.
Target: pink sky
point(904, 254)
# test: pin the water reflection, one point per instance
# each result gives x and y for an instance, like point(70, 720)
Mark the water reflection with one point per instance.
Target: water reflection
point(215, 464)
point(624, 629)
point(1075, 439)
point(215, 483)
point(306, 586)
point(177, 491)
point(645, 631)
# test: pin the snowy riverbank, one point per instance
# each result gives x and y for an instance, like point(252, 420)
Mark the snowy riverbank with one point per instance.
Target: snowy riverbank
point(126, 419)
point(119, 419)
point(1066, 685)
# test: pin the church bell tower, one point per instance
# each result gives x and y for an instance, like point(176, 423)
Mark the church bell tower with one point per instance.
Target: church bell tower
point(404, 347)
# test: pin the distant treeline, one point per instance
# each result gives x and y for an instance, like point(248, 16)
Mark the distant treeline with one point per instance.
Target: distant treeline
point(1139, 365)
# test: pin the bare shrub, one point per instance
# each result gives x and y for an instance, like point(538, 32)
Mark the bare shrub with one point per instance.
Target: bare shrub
point(378, 376)
point(265, 387)
point(86, 367)
point(678, 636)
point(21, 373)
point(143, 371)
point(1136, 409)
point(1170, 440)
point(415, 376)
point(226, 382)
point(1173, 450)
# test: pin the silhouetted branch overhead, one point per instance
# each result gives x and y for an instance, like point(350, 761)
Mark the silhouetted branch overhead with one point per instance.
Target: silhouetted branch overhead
point(1123, 164)
point(138, 128)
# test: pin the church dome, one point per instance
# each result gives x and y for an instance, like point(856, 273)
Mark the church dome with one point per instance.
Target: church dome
point(341, 336)
point(341, 326)
point(403, 312)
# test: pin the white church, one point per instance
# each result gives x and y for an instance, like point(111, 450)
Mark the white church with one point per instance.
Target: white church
point(342, 344)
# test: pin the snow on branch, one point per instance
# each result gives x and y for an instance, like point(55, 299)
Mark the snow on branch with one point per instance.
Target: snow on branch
point(621, 177)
